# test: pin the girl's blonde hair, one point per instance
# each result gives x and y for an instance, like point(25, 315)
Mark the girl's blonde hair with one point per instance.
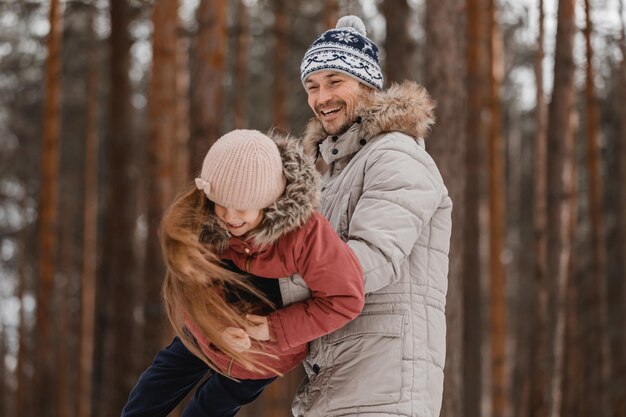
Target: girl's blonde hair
point(195, 281)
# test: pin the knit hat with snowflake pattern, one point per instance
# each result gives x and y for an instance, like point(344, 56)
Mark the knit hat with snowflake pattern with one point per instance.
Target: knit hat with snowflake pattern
point(345, 49)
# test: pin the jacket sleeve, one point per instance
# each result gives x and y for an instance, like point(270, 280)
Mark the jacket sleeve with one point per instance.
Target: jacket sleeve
point(401, 192)
point(335, 279)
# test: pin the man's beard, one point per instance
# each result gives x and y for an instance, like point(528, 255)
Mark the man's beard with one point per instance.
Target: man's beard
point(343, 129)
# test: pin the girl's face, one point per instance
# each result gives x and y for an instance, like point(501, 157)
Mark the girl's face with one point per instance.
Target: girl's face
point(238, 222)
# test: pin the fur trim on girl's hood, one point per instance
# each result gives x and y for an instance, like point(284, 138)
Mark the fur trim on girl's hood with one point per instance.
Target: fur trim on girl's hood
point(405, 107)
point(290, 211)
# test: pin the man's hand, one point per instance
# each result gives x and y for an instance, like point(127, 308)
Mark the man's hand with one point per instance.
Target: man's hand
point(236, 338)
point(258, 328)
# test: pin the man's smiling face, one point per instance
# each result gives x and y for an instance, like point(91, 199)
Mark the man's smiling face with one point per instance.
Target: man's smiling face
point(333, 97)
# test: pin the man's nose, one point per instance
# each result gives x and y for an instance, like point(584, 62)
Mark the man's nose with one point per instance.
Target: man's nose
point(324, 95)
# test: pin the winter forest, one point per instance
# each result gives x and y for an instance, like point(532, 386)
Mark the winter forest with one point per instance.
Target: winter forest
point(108, 107)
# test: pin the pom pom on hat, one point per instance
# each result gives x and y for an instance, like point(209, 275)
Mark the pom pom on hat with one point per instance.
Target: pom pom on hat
point(345, 49)
point(354, 22)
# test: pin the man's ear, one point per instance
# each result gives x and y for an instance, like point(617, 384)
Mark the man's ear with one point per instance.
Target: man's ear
point(368, 89)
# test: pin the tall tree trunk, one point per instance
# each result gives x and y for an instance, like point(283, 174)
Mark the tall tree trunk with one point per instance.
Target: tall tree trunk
point(561, 183)
point(23, 387)
point(61, 390)
point(574, 401)
point(4, 392)
point(496, 216)
point(279, 96)
point(477, 70)
point(619, 407)
point(445, 79)
point(331, 13)
point(48, 213)
point(116, 284)
point(163, 98)
point(241, 65)
point(211, 46)
point(398, 45)
point(597, 340)
point(180, 173)
point(90, 233)
point(539, 365)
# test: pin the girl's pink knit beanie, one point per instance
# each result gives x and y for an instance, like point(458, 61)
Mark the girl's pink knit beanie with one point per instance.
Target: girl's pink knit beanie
point(243, 170)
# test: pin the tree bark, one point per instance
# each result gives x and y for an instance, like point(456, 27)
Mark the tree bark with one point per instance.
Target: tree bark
point(279, 96)
point(331, 13)
point(211, 43)
point(48, 216)
point(597, 340)
point(22, 390)
point(116, 370)
point(477, 72)
point(241, 65)
point(163, 101)
point(561, 188)
point(4, 391)
point(183, 133)
point(539, 365)
point(497, 194)
point(90, 234)
point(67, 214)
point(445, 79)
point(398, 45)
point(619, 399)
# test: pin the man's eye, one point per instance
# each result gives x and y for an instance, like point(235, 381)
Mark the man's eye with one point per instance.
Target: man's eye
point(312, 88)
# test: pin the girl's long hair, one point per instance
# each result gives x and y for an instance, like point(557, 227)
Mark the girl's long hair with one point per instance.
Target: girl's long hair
point(196, 282)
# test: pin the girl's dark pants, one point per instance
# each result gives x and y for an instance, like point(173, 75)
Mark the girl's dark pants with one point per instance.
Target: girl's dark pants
point(174, 373)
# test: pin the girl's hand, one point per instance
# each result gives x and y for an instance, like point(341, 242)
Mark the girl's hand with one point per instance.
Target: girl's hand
point(236, 338)
point(258, 328)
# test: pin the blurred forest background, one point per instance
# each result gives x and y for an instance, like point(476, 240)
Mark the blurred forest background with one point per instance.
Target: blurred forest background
point(108, 107)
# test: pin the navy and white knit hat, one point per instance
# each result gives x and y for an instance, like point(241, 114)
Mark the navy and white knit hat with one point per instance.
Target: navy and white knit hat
point(344, 49)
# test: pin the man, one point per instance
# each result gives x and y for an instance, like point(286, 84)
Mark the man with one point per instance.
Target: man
point(384, 195)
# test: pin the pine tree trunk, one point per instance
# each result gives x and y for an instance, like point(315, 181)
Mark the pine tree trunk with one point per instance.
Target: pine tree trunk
point(22, 390)
point(115, 350)
point(279, 96)
point(90, 234)
point(574, 387)
point(497, 194)
point(48, 213)
point(211, 44)
point(180, 170)
point(561, 188)
point(540, 356)
point(331, 13)
point(241, 65)
point(477, 73)
point(61, 313)
point(398, 45)
point(445, 80)
point(619, 399)
point(597, 341)
point(4, 391)
point(161, 146)
point(539, 364)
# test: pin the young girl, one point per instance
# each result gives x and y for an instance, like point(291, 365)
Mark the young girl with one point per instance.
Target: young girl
point(251, 211)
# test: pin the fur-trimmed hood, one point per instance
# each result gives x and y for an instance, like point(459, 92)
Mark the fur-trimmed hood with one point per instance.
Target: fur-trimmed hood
point(296, 205)
point(405, 107)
